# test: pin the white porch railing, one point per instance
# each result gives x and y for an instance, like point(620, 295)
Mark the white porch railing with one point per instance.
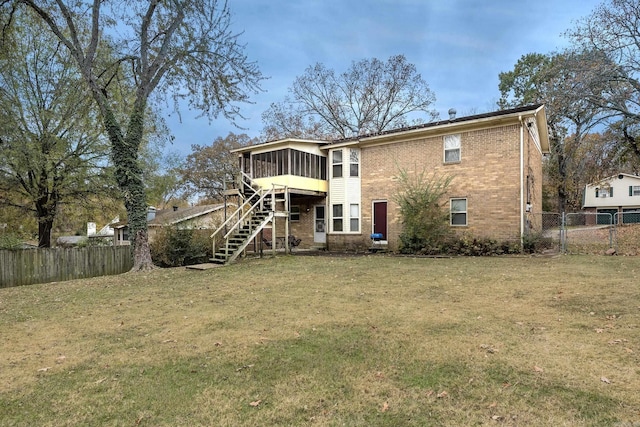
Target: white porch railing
point(245, 213)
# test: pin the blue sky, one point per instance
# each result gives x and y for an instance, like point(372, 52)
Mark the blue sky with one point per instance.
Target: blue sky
point(458, 46)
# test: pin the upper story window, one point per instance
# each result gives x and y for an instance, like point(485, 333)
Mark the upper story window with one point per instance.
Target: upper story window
point(336, 161)
point(601, 193)
point(354, 162)
point(452, 148)
point(634, 190)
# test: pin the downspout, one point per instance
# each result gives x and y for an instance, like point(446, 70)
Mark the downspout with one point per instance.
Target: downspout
point(521, 178)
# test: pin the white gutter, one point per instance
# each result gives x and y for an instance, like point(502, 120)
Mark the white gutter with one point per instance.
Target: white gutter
point(521, 178)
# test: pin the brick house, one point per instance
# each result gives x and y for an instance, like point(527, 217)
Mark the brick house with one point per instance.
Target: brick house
point(340, 192)
point(203, 217)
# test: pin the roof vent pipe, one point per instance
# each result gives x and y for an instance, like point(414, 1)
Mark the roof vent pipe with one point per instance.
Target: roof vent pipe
point(452, 113)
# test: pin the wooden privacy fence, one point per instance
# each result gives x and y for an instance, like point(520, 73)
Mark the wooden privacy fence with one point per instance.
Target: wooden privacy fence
point(29, 266)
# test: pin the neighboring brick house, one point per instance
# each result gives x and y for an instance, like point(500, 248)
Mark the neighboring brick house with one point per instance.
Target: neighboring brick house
point(342, 191)
point(616, 199)
point(204, 217)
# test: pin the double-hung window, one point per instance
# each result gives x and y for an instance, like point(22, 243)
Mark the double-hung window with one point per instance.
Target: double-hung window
point(354, 217)
point(337, 218)
point(604, 192)
point(458, 212)
point(452, 148)
point(634, 190)
point(337, 163)
point(295, 213)
point(354, 162)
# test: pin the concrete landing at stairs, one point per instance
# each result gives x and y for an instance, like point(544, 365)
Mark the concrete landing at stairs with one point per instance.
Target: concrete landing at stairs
point(205, 266)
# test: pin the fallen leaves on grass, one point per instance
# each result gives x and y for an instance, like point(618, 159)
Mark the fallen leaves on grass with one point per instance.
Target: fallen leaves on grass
point(385, 407)
point(605, 380)
point(488, 348)
point(255, 403)
point(538, 369)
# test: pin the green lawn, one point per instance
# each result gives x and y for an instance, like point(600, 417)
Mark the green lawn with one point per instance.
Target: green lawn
point(327, 340)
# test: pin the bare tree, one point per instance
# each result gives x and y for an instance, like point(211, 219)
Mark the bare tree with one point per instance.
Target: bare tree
point(612, 31)
point(184, 50)
point(371, 96)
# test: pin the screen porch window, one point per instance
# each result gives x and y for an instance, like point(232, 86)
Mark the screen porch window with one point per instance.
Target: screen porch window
point(452, 148)
point(337, 163)
point(288, 161)
point(458, 212)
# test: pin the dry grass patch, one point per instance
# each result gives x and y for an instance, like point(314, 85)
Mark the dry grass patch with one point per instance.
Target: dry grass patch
point(369, 340)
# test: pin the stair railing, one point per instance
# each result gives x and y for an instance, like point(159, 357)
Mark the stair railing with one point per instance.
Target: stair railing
point(245, 211)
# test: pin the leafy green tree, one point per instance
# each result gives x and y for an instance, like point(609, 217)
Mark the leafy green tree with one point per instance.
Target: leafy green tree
point(173, 247)
point(51, 151)
point(208, 167)
point(425, 219)
point(371, 96)
point(172, 49)
point(559, 81)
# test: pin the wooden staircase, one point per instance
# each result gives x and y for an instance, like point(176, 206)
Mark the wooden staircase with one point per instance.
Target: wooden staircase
point(245, 223)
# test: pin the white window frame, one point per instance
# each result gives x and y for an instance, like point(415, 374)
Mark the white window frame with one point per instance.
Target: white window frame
point(458, 212)
point(354, 153)
point(335, 218)
point(337, 162)
point(354, 215)
point(452, 144)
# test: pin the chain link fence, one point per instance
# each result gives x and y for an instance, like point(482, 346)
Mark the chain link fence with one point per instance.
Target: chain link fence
point(585, 232)
point(588, 233)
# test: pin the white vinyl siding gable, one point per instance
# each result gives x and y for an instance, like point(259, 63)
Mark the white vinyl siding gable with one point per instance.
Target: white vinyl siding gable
point(621, 190)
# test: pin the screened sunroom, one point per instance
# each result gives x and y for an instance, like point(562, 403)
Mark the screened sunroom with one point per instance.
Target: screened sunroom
point(297, 164)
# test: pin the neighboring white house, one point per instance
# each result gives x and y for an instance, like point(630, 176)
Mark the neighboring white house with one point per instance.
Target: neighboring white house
point(618, 196)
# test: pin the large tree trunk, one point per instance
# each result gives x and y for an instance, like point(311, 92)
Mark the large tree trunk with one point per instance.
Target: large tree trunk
point(44, 233)
point(124, 151)
point(46, 205)
point(141, 252)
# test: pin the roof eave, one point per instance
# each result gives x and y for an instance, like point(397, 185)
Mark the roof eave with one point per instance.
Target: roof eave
point(285, 141)
point(457, 126)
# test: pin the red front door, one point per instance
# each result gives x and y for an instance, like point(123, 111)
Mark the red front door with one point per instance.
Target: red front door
point(380, 218)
